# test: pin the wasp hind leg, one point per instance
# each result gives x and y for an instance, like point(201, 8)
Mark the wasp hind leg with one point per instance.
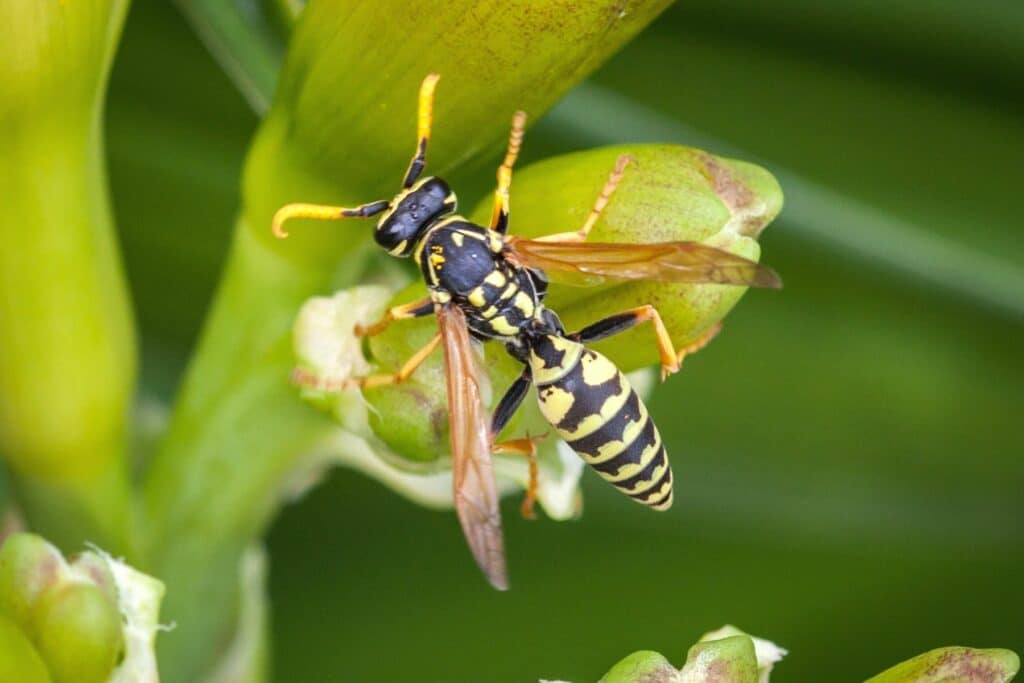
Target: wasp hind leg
point(527, 446)
point(310, 380)
point(699, 343)
point(602, 201)
point(416, 309)
point(499, 216)
point(621, 322)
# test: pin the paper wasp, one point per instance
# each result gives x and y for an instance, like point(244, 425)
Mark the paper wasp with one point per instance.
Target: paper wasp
point(487, 285)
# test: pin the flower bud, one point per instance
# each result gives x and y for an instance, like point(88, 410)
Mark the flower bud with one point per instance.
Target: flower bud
point(19, 660)
point(78, 631)
point(954, 665)
point(727, 660)
point(641, 666)
point(90, 621)
point(667, 193)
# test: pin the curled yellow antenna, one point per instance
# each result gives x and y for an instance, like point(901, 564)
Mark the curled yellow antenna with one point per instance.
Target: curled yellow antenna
point(322, 212)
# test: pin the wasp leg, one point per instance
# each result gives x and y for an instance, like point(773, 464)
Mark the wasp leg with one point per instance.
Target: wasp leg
point(510, 402)
point(526, 447)
point(507, 407)
point(499, 216)
point(699, 343)
point(323, 212)
point(602, 201)
point(423, 120)
point(311, 381)
point(621, 322)
point(416, 309)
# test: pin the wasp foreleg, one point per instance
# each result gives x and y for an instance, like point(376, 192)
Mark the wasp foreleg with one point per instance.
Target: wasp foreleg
point(416, 309)
point(309, 380)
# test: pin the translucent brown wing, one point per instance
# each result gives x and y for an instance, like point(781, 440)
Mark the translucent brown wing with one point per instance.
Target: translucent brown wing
point(476, 494)
point(593, 262)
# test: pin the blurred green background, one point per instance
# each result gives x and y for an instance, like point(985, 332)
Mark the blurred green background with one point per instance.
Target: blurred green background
point(848, 453)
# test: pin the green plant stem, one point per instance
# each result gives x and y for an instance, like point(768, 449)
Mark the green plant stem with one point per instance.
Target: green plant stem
point(238, 433)
point(67, 347)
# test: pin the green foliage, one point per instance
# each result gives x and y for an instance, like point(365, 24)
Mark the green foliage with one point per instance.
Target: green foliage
point(854, 439)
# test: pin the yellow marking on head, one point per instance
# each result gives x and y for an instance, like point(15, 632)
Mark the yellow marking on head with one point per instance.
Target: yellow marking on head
point(597, 369)
point(476, 297)
point(458, 238)
point(496, 242)
point(501, 325)
point(496, 278)
point(400, 248)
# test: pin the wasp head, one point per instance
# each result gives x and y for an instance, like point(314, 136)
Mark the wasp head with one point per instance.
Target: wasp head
point(411, 212)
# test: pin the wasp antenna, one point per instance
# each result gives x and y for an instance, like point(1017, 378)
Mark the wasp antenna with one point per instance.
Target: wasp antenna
point(322, 212)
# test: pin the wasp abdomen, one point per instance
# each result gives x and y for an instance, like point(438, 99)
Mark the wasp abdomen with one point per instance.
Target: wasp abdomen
point(593, 408)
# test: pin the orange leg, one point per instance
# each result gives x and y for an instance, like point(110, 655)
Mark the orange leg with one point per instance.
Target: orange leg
point(621, 322)
point(416, 309)
point(311, 381)
point(602, 201)
point(499, 216)
point(700, 342)
point(527, 447)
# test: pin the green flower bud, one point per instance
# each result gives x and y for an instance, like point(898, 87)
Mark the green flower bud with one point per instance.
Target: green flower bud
point(667, 193)
point(28, 566)
point(644, 666)
point(768, 653)
point(399, 434)
point(83, 616)
point(19, 660)
point(78, 630)
point(727, 660)
point(954, 665)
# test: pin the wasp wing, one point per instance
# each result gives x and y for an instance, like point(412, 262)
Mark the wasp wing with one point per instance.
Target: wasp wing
point(593, 262)
point(476, 494)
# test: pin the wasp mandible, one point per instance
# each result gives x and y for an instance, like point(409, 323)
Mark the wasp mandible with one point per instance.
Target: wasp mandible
point(487, 285)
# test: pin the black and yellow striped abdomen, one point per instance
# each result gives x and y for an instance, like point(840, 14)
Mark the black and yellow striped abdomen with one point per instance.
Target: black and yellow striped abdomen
point(594, 409)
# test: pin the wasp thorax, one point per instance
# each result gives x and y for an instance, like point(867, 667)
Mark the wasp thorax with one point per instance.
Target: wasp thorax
point(411, 212)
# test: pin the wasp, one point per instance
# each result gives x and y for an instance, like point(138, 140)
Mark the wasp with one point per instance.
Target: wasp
point(485, 284)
